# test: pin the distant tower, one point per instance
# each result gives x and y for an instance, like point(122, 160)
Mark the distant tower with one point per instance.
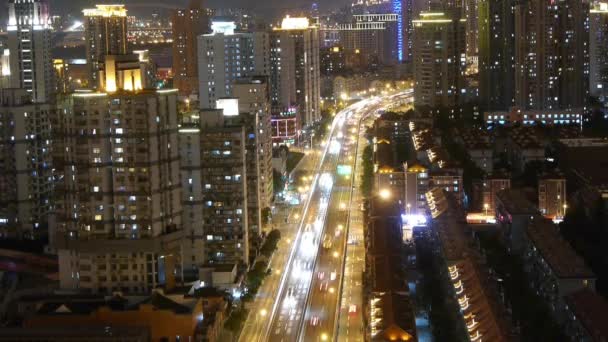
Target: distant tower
point(187, 24)
point(29, 43)
point(105, 30)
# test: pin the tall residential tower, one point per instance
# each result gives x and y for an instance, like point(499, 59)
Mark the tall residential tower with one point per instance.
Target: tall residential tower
point(29, 43)
point(187, 25)
point(295, 69)
point(105, 31)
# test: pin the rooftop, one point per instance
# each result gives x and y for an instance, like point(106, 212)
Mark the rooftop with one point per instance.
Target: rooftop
point(556, 251)
point(590, 310)
point(397, 321)
point(592, 170)
point(475, 290)
point(516, 203)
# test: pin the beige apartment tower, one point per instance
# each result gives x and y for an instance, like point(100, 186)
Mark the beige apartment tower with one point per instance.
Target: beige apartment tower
point(119, 199)
point(105, 33)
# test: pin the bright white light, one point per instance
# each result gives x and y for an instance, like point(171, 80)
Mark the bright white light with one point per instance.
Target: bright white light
point(224, 27)
point(230, 106)
point(334, 147)
point(385, 193)
point(414, 219)
point(289, 23)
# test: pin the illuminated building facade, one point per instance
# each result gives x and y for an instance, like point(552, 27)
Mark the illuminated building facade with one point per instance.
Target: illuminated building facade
point(25, 166)
point(254, 110)
point(214, 176)
point(376, 37)
point(187, 25)
point(226, 55)
point(105, 31)
point(552, 196)
point(119, 200)
point(599, 49)
point(285, 128)
point(29, 44)
point(552, 54)
point(439, 60)
point(295, 77)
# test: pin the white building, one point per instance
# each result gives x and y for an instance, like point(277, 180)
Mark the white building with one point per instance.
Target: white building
point(29, 43)
point(224, 56)
point(295, 79)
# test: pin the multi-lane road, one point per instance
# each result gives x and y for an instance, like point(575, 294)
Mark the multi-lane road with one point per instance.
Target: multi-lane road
point(309, 298)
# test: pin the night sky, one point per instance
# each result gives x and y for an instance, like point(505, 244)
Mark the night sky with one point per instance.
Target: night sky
point(261, 6)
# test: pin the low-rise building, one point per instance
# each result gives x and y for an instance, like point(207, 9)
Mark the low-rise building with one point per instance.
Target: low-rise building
point(389, 308)
point(491, 186)
point(477, 145)
point(513, 212)
point(546, 117)
point(586, 318)
point(554, 268)
point(552, 195)
point(466, 272)
point(166, 317)
point(524, 147)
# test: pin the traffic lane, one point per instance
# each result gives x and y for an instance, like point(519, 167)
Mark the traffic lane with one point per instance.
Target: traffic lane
point(281, 327)
point(323, 302)
point(267, 291)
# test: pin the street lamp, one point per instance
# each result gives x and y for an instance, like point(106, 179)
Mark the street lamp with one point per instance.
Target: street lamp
point(565, 207)
point(486, 206)
point(408, 208)
point(263, 312)
point(324, 337)
point(385, 194)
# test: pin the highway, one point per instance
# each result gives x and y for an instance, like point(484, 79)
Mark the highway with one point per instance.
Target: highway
point(336, 298)
point(259, 309)
point(309, 289)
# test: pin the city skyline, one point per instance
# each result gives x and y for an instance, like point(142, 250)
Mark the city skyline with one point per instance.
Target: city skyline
point(367, 170)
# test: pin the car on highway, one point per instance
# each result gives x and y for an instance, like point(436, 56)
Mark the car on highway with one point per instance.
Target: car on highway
point(327, 243)
point(314, 321)
point(321, 275)
point(324, 286)
point(352, 310)
point(332, 275)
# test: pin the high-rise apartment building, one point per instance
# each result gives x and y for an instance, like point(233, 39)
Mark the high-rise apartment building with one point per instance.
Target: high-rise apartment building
point(375, 37)
point(254, 111)
point(187, 25)
point(471, 12)
point(439, 60)
point(26, 176)
point(29, 44)
point(496, 50)
point(551, 54)
point(119, 200)
point(406, 7)
point(105, 32)
point(295, 79)
point(599, 49)
point(214, 176)
point(226, 55)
